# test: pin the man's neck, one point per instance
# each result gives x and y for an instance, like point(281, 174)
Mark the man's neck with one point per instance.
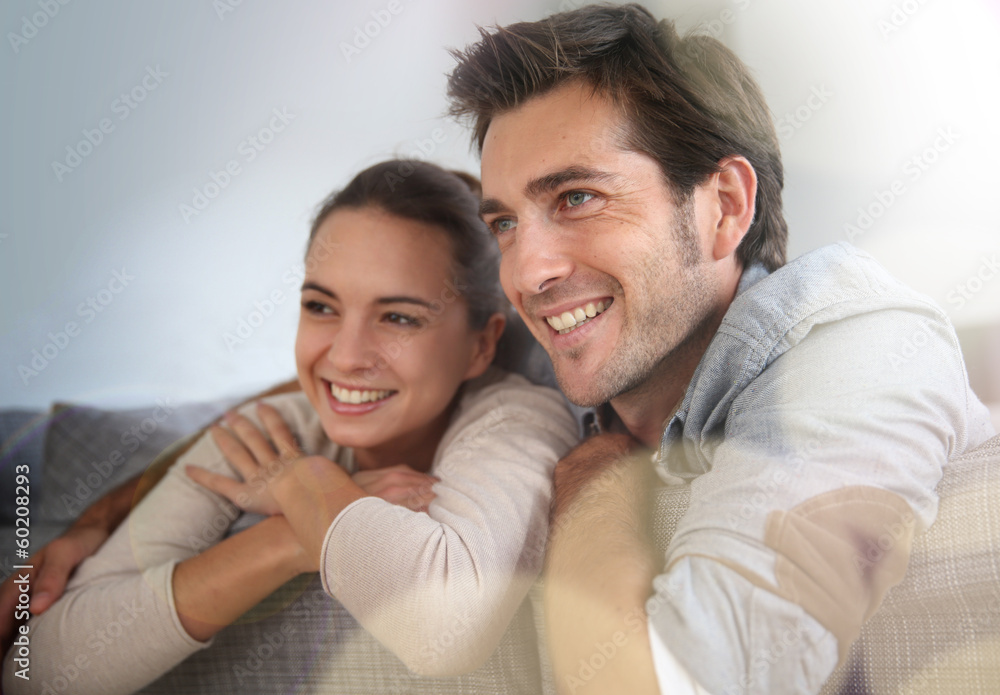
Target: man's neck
point(645, 409)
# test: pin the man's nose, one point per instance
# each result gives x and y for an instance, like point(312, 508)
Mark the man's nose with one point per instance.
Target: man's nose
point(540, 258)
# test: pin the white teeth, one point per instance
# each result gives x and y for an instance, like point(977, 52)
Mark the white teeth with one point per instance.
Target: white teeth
point(570, 320)
point(356, 396)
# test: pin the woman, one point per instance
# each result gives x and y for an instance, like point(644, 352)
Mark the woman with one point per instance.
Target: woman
point(399, 326)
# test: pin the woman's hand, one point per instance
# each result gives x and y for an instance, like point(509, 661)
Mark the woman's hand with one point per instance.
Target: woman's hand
point(399, 485)
point(254, 457)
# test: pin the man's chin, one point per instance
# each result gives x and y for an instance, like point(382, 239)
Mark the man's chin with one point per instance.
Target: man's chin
point(582, 390)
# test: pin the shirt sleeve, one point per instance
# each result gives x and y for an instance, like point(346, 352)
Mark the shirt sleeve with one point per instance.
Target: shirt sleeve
point(439, 588)
point(671, 675)
point(817, 478)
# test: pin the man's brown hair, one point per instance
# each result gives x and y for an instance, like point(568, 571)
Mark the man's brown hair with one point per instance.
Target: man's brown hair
point(689, 102)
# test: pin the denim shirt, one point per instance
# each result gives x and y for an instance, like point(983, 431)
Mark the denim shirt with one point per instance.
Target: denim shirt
point(812, 434)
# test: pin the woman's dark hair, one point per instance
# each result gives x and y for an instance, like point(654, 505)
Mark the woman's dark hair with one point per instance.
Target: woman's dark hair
point(423, 192)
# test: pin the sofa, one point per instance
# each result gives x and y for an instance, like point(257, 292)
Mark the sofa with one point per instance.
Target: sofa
point(936, 632)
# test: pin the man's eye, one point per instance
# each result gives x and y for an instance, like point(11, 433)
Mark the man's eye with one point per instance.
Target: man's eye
point(577, 198)
point(503, 225)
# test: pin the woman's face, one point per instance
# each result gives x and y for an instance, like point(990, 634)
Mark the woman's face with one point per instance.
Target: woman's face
point(384, 341)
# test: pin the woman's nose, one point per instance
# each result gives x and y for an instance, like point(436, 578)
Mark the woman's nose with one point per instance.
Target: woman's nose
point(354, 348)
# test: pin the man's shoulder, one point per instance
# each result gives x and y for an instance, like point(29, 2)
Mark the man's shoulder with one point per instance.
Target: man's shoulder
point(831, 283)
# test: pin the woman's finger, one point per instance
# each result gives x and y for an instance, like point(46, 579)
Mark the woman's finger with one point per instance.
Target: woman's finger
point(280, 433)
point(234, 451)
point(232, 490)
point(252, 438)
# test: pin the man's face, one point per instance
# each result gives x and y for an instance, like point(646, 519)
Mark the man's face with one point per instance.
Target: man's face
point(608, 272)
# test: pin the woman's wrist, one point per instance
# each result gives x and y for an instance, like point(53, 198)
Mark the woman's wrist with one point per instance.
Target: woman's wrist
point(290, 550)
point(311, 493)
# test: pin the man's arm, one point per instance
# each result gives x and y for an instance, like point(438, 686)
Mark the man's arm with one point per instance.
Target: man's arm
point(599, 570)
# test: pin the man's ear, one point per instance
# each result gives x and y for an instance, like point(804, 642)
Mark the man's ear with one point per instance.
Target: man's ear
point(485, 347)
point(736, 190)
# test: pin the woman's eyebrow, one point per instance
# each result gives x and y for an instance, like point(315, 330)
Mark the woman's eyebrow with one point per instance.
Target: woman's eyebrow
point(404, 300)
point(308, 285)
point(395, 299)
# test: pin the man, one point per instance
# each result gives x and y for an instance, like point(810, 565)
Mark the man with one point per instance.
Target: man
point(633, 182)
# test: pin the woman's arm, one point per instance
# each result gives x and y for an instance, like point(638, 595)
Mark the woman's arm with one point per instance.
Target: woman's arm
point(125, 617)
point(56, 561)
point(440, 588)
point(214, 588)
point(437, 588)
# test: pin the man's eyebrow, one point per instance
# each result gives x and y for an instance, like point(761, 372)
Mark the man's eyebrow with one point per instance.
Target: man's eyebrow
point(550, 182)
point(490, 206)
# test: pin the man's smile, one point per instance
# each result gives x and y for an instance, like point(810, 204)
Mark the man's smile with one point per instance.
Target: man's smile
point(571, 319)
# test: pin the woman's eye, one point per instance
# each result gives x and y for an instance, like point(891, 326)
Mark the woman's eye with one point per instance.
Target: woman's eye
point(577, 198)
point(402, 319)
point(317, 308)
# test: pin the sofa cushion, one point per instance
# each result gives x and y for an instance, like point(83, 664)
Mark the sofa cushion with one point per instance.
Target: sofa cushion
point(938, 631)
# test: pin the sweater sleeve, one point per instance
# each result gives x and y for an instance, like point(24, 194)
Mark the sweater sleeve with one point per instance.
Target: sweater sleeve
point(116, 627)
point(439, 588)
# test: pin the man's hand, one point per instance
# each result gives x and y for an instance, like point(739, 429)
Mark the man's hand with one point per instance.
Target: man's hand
point(579, 467)
point(399, 485)
point(599, 569)
point(53, 565)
